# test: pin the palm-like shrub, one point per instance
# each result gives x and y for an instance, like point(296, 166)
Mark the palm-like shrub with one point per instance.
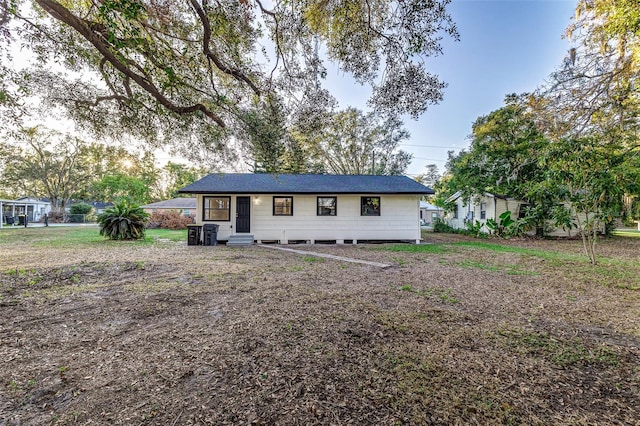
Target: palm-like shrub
point(123, 221)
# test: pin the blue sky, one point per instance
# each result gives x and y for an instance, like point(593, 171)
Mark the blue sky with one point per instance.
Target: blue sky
point(506, 46)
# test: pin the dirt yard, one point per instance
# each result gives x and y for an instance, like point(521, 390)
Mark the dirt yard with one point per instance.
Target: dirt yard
point(459, 331)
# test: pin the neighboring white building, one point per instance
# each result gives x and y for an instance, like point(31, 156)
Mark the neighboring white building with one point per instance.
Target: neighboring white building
point(491, 206)
point(310, 208)
point(34, 208)
point(481, 208)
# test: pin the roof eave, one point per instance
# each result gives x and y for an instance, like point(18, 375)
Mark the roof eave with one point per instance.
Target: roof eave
point(306, 192)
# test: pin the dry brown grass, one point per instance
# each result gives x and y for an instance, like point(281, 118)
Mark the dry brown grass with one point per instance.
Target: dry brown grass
point(461, 333)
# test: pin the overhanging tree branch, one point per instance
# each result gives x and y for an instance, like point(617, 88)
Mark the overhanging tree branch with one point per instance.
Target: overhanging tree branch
point(60, 13)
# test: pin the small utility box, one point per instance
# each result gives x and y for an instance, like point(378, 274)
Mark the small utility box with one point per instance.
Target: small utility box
point(210, 234)
point(193, 234)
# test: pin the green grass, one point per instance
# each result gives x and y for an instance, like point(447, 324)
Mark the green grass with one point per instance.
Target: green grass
point(312, 259)
point(562, 352)
point(508, 269)
point(445, 295)
point(416, 248)
point(78, 236)
point(499, 248)
point(621, 273)
point(627, 233)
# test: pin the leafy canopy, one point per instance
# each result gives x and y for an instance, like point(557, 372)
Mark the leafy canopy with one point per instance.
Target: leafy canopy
point(200, 75)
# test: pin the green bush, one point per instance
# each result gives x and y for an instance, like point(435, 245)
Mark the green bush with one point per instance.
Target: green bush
point(123, 222)
point(474, 229)
point(440, 225)
point(81, 212)
point(80, 208)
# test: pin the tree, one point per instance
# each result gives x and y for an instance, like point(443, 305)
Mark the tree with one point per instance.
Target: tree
point(616, 21)
point(431, 177)
point(590, 178)
point(49, 164)
point(503, 159)
point(41, 162)
point(121, 187)
point(594, 100)
point(352, 142)
point(597, 88)
point(11, 88)
point(175, 176)
point(188, 72)
point(123, 221)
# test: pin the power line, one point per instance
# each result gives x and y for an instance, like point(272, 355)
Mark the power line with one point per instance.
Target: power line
point(428, 159)
point(431, 146)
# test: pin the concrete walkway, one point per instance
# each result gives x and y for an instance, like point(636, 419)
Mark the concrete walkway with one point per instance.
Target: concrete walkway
point(327, 256)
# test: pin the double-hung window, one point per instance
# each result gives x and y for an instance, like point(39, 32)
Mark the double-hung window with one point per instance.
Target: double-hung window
point(283, 206)
point(370, 206)
point(216, 208)
point(327, 206)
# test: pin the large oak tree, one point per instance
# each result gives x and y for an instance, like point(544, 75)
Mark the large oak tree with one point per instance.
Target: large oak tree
point(199, 73)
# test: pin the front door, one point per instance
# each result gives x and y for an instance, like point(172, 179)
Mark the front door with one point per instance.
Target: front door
point(243, 217)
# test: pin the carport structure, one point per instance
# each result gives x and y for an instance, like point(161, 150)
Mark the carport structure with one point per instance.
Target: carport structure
point(13, 208)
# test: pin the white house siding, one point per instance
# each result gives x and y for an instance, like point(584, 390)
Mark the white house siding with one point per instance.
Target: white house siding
point(495, 206)
point(397, 220)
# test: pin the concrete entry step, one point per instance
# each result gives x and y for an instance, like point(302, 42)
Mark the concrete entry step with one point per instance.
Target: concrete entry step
point(240, 240)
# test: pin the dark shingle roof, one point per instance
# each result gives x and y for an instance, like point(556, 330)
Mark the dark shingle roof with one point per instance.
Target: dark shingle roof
point(245, 183)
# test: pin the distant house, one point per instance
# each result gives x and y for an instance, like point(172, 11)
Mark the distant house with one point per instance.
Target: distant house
point(490, 206)
point(34, 209)
point(100, 206)
point(184, 206)
point(429, 213)
point(481, 208)
point(309, 208)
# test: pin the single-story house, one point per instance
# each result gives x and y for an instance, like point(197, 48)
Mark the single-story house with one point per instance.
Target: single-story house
point(34, 208)
point(184, 206)
point(100, 206)
point(429, 213)
point(309, 208)
point(490, 206)
point(481, 208)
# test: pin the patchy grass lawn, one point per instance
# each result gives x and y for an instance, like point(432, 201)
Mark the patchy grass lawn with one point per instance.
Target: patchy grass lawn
point(457, 331)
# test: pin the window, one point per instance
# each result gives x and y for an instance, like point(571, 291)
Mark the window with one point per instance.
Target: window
point(483, 210)
point(283, 206)
point(455, 211)
point(370, 206)
point(327, 206)
point(216, 208)
point(522, 212)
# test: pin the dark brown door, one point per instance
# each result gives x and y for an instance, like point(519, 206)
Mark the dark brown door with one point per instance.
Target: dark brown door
point(243, 216)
